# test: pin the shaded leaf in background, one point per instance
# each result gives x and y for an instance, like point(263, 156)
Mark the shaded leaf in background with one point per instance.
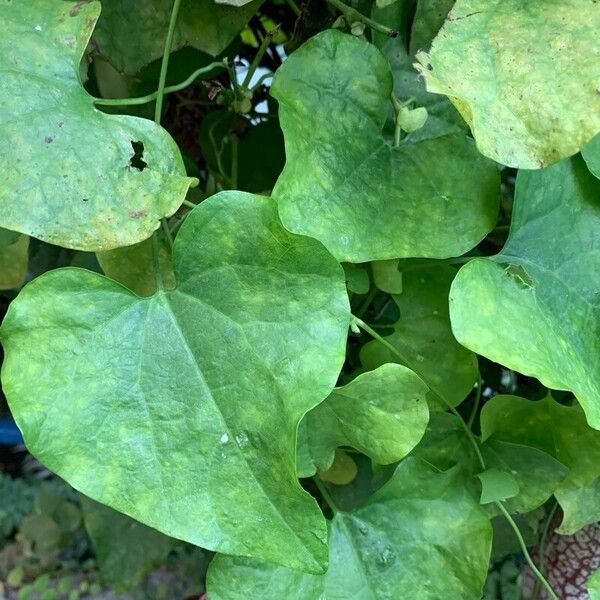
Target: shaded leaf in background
point(14, 259)
point(125, 549)
point(497, 485)
point(345, 185)
point(535, 307)
point(524, 75)
point(536, 473)
point(423, 336)
point(420, 536)
point(68, 177)
point(196, 390)
point(381, 413)
point(562, 432)
point(428, 20)
point(591, 155)
point(133, 267)
point(131, 35)
point(386, 276)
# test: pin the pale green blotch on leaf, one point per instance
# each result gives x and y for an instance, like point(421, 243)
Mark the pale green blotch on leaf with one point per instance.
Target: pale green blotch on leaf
point(422, 535)
point(524, 75)
point(424, 338)
point(68, 177)
point(126, 550)
point(180, 410)
point(382, 413)
point(535, 307)
point(132, 34)
point(347, 186)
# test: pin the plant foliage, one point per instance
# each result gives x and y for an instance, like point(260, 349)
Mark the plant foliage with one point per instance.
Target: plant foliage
point(276, 352)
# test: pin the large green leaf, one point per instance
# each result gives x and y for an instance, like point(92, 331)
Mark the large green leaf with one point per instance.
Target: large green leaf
point(562, 432)
point(423, 336)
point(535, 306)
point(524, 75)
point(382, 413)
point(421, 536)
point(125, 549)
point(131, 35)
point(67, 176)
point(181, 409)
point(428, 20)
point(344, 184)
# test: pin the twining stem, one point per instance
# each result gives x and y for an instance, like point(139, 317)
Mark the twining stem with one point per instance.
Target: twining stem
point(189, 204)
point(326, 495)
point(166, 90)
point(351, 15)
point(167, 232)
point(476, 403)
point(164, 66)
point(295, 8)
point(156, 261)
point(477, 451)
point(258, 57)
point(542, 549)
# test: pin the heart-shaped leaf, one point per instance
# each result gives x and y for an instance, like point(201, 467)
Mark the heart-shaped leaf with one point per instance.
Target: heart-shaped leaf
point(423, 336)
point(422, 536)
point(181, 409)
point(382, 413)
point(346, 185)
point(535, 307)
point(68, 175)
point(524, 75)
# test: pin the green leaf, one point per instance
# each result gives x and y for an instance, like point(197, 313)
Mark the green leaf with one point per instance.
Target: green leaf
point(523, 75)
point(125, 549)
point(562, 432)
point(197, 391)
point(423, 336)
point(382, 413)
point(342, 471)
point(133, 267)
point(42, 532)
point(386, 276)
point(8, 237)
point(536, 473)
point(67, 175)
point(428, 20)
point(357, 278)
point(14, 260)
point(591, 155)
point(580, 505)
point(344, 184)
point(497, 485)
point(535, 306)
point(132, 35)
point(593, 585)
point(420, 536)
point(442, 118)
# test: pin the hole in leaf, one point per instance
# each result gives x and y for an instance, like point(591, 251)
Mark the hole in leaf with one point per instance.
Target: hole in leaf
point(137, 160)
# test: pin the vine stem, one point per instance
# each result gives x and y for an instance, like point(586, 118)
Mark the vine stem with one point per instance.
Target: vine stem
point(542, 549)
point(351, 15)
point(476, 403)
point(326, 495)
point(258, 57)
point(164, 65)
point(477, 451)
point(166, 90)
point(189, 204)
